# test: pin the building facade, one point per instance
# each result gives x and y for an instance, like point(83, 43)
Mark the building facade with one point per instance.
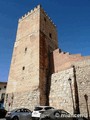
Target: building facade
point(40, 73)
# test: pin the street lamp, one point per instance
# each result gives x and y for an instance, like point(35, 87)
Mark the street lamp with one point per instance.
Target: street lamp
point(70, 80)
point(86, 99)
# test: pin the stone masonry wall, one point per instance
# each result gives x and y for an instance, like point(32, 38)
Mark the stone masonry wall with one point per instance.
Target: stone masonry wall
point(24, 69)
point(48, 43)
point(36, 38)
point(83, 83)
point(31, 66)
point(19, 100)
point(60, 94)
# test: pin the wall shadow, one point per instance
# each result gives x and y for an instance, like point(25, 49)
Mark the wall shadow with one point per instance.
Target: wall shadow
point(86, 100)
point(77, 109)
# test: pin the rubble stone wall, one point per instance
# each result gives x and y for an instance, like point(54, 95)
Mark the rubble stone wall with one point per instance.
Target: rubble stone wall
point(26, 99)
point(83, 83)
point(60, 94)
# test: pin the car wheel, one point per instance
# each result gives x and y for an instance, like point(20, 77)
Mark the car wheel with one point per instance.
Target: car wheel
point(57, 115)
point(15, 118)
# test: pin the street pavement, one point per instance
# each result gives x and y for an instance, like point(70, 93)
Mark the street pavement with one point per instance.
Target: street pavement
point(2, 119)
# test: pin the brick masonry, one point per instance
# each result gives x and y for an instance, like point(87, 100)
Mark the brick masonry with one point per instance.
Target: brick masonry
point(63, 60)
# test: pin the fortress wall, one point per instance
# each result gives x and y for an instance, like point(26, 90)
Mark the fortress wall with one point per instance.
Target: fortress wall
point(64, 60)
point(60, 94)
point(83, 83)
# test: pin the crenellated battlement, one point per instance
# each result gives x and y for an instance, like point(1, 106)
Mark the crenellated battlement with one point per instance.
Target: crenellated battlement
point(48, 16)
point(29, 13)
point(32, 11)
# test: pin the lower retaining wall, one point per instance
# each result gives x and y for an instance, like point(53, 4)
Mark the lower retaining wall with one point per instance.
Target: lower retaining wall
point(27, 99)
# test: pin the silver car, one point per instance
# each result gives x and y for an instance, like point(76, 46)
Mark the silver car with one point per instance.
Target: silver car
point(19, 114)
point(58, 115)
point(55, 114)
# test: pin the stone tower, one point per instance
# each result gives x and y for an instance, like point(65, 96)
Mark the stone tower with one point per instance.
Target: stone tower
point(28, 82)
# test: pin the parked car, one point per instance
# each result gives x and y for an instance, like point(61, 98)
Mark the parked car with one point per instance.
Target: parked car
point(40, 109)
point(19, 114)
point(55, 114)
point(2, 112)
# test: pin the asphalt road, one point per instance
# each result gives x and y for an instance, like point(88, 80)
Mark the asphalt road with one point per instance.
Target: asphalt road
point(3, 119)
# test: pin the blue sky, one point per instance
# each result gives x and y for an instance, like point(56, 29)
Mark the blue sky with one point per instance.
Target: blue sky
point(72, 18)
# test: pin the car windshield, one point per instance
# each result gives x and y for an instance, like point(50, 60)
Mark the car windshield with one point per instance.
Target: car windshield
point(43, 108)
point(38, 108)
point(64, 112)
point(47, 108)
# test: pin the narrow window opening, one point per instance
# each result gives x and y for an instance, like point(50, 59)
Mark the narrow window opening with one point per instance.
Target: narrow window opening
point(26, 49)
point(50, 35)
point(45, 19)
point(4, 86)
point(23, 68)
